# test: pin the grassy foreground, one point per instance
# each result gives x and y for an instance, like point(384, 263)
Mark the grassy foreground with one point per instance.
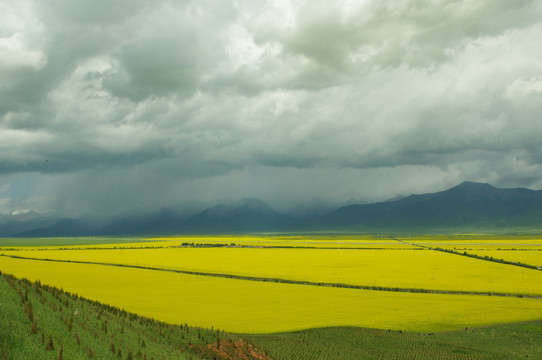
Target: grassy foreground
point(514, 341)
point(42, 322)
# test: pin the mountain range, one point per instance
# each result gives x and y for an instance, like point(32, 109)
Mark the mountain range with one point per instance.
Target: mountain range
point(467, 205)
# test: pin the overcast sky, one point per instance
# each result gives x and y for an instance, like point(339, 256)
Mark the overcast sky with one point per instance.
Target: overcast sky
point(107, 106)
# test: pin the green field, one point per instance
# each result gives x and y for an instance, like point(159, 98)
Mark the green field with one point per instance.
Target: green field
point(70, 241)
point(515, 341)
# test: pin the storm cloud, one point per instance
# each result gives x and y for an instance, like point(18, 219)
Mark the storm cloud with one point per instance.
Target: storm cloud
point(110, 106)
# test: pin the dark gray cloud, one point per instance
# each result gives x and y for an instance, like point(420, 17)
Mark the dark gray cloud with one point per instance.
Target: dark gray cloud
point(107, 107)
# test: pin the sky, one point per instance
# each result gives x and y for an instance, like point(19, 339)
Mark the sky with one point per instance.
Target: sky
point(112, 106)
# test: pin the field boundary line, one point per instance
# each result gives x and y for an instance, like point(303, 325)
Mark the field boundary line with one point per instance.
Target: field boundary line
point(287, 281)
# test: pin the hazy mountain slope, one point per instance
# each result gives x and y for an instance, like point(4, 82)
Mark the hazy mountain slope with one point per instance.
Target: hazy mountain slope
point(243, 215)
point(62, 227)
point(164, 221)
point(14, 225)
point(466, 204)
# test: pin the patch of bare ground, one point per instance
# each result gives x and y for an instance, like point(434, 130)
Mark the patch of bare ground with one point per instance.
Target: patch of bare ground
point(230, 350)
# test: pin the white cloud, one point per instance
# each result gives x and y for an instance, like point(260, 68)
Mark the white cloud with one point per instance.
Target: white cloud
point(14, 54)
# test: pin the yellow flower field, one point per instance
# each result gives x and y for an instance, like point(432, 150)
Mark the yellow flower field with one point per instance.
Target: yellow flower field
point(522, 256)
point(419, 269)
point(472, 238)
point(365, 242)
point(475, 241)
point(256, 307)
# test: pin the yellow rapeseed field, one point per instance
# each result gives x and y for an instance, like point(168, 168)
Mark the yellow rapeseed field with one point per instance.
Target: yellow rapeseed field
point(289, 241)
point(256, 307)
point(478, 241)
point(470, 237)
point(369, 242)
point(531, 257)
point(419, 269)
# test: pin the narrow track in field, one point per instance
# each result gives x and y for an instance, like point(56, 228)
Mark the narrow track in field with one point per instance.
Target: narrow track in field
point(285, 281)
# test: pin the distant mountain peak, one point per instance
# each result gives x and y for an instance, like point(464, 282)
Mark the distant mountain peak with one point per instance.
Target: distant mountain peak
point(250, 202)
point(469, 204)
point(244, 215)
point(474, 185)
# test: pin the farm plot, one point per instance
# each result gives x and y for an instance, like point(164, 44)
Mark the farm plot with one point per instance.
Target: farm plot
point(347, 242)
point(259, 307)
point(410, 269)
point(73, 242)
point(463, 242)
point(521, 255)
point(339, 241)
